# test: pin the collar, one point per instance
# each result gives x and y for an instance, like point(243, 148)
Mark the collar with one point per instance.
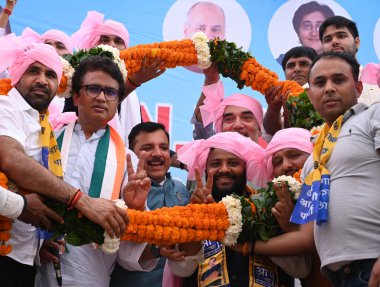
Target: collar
point(167, 176)
point(357, 109)
point(21, 104)
point(95, 136)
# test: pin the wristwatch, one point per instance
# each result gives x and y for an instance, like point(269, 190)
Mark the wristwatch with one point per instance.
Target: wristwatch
point(155, 251)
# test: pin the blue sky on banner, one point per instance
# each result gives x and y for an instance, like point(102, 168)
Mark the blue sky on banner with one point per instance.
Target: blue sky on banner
point(262, 27)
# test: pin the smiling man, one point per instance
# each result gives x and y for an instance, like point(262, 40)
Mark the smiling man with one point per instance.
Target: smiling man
point(152, 140)
point(229, 160)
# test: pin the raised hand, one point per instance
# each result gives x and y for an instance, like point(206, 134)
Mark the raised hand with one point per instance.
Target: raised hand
point(202, 193)
point(148, 71)
point(138, 186)
point(211, 74)
point(284, 207)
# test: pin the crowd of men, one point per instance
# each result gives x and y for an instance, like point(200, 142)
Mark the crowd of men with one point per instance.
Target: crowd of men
point(97, 150)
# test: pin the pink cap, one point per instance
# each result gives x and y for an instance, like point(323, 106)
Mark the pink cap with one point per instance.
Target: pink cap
point(17, 57)
point(93, 27)
point(214, 105)
point(371, 74)
point(287, 138)
point(195, 154)
point(30, 36)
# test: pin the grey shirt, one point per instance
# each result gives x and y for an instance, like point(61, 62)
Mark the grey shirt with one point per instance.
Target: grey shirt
point(352, 231)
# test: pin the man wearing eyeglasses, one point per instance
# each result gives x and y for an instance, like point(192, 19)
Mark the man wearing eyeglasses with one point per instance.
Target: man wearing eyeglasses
point(93, 159)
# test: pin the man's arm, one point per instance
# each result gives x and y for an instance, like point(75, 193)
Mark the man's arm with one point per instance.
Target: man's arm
point(272, 119)
point(28, 174)
point(291, 243)
point(4, 17)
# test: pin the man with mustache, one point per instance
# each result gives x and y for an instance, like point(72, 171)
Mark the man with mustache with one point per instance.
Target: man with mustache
point(296, 65)
point(29, 154)
point(152, 140)
point(229, 160)
point(341, 178)
point(339, 34)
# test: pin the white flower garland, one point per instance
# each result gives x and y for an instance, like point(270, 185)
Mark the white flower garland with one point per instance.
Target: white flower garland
point(233, 207)
point(116, 58)
point(294, 185)
point(68, 70)
point(111, 245)
point(200, 41)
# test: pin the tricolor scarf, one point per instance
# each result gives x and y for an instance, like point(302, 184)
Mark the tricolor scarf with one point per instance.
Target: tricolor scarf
point(313, 201)
point(109, 163)
point(51, 157)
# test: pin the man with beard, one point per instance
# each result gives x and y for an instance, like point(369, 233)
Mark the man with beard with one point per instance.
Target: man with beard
point(152, 140)
point(229, 160)
point(339, 34)
point(29, 155)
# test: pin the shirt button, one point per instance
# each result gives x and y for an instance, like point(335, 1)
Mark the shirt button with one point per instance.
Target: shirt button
point(347, 270)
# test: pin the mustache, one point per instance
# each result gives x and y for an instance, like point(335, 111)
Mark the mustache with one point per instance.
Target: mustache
point(224, 174)
point(156, 159)
point(43, 88)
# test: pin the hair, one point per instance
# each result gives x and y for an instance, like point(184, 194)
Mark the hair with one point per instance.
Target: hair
point(347, 57)
point(297, 52)
point(92, 64)
point(308, 8)
point(339, 22)
point(147, 127)
point(8, 27)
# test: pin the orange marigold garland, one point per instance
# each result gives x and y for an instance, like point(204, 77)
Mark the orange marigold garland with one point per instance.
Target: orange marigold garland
point(5, 224)
point(5, 86)
point(232, 62)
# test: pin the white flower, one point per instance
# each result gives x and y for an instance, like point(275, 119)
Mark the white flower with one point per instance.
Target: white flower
point(200, 41)
point(233, 207)
point(116, 58)
point(68, 72)
point(294, 185)
point(111, 245)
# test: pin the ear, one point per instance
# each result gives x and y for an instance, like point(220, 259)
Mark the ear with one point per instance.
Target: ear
point(359, 88)
point(357, 43)
point(75, 98)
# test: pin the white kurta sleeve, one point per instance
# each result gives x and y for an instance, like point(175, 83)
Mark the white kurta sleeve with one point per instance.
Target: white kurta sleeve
point(11, 204)
point(186, 267)
point(129, 254)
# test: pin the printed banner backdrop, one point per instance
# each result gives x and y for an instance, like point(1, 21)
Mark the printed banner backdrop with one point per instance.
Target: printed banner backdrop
point(264, 28)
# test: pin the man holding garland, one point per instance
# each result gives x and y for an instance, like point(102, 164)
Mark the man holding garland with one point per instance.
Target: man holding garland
point(27, 143)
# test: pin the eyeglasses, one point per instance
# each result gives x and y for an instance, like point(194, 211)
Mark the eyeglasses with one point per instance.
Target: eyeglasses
point(94, 91)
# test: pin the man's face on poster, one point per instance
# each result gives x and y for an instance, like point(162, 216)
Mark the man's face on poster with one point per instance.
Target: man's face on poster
point(207, 18)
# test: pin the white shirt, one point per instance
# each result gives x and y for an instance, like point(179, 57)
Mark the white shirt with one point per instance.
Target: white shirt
point(21, 122)
point(130, 115)
point(84, 265)
point(11, 204)
point(3, 74)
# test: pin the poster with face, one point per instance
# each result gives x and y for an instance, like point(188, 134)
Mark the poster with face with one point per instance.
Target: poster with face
point(376, 39)
point(224, 19)
point(297, 23)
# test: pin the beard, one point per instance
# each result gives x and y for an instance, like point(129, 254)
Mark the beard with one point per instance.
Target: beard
point(238, 187)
